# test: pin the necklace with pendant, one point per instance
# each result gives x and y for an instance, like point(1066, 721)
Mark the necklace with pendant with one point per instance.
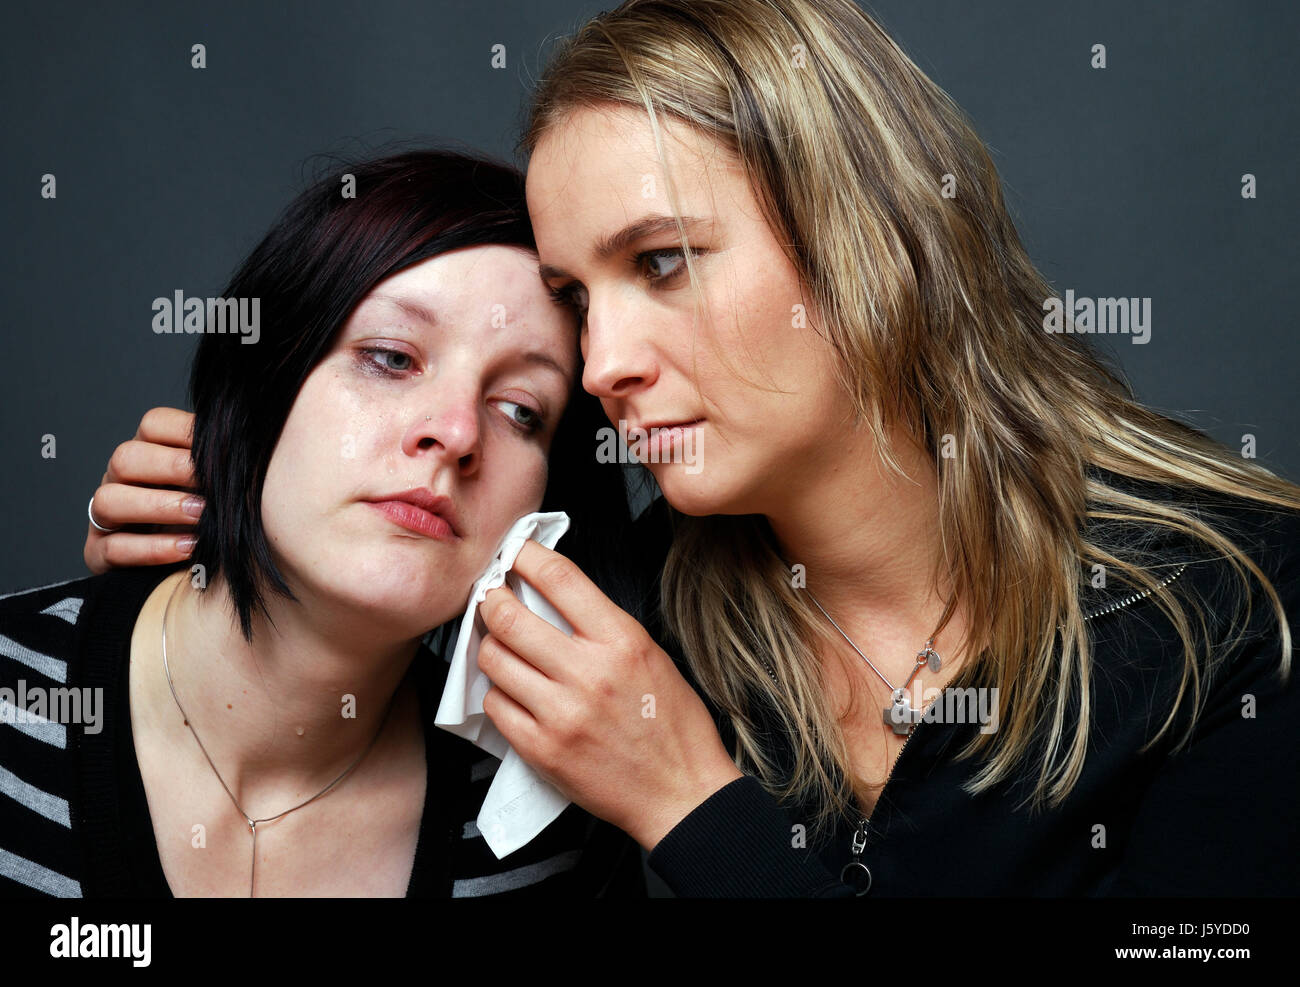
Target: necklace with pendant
point(903, 717)
point(900, 714)
point(253, 823)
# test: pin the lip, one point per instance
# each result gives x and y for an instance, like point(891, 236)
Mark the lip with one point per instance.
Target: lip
point(421, 511)
point(662, 438)
point(646, 426)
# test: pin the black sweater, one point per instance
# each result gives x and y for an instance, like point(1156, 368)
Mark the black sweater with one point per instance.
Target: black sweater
point(1219, 818)
point(74, 820)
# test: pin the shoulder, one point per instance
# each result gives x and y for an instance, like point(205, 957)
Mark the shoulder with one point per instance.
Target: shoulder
point(1268, 535)
point(38, 628)
point(650, 538)
point(23, 600)
point(39, 854)
point(60, 648)
point(43, 628)
point(1237, 631)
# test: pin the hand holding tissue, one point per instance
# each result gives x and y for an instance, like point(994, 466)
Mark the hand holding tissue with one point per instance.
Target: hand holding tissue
point(520, 803)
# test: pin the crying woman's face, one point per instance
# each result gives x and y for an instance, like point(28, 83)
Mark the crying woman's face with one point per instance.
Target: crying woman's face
point(420, 437)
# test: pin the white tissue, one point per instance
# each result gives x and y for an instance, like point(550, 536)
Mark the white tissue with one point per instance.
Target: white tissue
point(520, 803)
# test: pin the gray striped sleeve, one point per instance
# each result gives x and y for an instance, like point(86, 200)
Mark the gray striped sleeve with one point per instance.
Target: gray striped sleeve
point(33, 875)
point(520, 877)
point(49, 667)
point(50, 806)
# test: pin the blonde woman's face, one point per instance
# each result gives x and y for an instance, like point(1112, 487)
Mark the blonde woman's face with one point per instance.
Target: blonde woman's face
point(751, 375)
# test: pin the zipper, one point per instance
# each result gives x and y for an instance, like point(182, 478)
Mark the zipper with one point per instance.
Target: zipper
point(865, 823)
point(1134, 597)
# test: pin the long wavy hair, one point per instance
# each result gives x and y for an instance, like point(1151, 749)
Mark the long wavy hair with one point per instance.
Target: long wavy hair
point(936, 316)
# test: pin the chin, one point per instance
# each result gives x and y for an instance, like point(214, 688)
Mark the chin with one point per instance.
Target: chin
point(400, 610)
point(404, 588)
point(696, 494)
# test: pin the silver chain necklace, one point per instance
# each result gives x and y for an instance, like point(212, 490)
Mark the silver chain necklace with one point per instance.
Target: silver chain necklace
point(903, 717)
point(900, 715)
point(252, 823)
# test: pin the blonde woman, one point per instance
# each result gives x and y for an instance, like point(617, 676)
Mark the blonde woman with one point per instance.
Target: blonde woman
point(884, 481)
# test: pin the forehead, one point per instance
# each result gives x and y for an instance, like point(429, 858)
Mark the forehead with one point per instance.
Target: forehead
point(491, 294)
point(600, 165)
point(460, 277)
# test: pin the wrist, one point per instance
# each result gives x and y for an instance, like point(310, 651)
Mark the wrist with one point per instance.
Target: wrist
point(665, 814)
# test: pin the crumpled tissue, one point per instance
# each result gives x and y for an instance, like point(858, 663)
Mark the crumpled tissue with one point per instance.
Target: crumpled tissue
point(520, 803)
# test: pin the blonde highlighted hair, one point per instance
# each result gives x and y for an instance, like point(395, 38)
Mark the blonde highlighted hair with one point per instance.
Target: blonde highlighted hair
point(935, 313)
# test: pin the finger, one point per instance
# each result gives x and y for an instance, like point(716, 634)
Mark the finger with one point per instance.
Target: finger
point(119, 504)
point(532, 639)
point(167, 426)
point(137, 461)
point(589, 611)
point(514, 675)
point(516, 724)
point(123, 549)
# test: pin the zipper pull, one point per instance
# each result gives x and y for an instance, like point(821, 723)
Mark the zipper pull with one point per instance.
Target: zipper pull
point(855, 873)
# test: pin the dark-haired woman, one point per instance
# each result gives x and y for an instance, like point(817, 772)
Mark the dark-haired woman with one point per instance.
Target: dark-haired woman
point(263, 717)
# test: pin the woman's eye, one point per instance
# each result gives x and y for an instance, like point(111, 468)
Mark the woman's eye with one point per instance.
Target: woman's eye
point(523, 416)
point(652, 261)
point(387, 361)
point(573, 295)
point(658, 267)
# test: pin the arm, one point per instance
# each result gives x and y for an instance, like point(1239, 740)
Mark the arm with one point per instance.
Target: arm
point(131, 493)
point(738, 844)
point(607, 718)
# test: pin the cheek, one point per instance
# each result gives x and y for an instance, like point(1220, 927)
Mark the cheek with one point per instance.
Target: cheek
point(518, 489)
point(532, 486)
point(319, 438)
point(764, 362)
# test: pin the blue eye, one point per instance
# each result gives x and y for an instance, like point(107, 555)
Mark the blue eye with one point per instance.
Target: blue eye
point(390, 363)
point(531, 420)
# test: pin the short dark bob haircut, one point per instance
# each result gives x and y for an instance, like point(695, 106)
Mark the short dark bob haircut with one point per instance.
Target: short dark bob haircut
point(321, 258)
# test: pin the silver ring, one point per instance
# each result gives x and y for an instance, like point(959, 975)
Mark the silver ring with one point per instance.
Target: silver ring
point(90, 513)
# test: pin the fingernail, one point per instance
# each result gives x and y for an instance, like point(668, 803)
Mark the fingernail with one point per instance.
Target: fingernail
point(185, 543)
point(192, 505)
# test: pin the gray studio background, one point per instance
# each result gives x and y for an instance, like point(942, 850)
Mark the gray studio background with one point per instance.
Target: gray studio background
point(1123, 181)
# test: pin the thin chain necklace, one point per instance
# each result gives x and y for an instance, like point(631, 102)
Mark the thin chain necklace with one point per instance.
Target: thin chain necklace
point(901, 715)
point(252, 823)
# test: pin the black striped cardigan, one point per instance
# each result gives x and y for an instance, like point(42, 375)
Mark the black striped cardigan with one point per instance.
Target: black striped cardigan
point(74, 821)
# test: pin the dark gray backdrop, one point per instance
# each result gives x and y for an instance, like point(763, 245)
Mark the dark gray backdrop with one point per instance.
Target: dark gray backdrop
point(1124, 181)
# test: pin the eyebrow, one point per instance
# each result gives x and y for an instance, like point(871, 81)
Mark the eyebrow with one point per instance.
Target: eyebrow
point(608, 246)
point(411, 307)
point(416, 310)
point(543, 360)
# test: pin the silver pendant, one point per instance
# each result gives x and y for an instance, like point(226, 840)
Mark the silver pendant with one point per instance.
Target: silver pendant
point(902, 717)
point(931, 658)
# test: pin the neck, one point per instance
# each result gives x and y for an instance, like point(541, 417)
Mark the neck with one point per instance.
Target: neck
point(274, 715)
point(870, 545)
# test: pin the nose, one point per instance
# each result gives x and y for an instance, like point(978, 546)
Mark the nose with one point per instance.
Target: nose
point(446, 426)
point(617, 349)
